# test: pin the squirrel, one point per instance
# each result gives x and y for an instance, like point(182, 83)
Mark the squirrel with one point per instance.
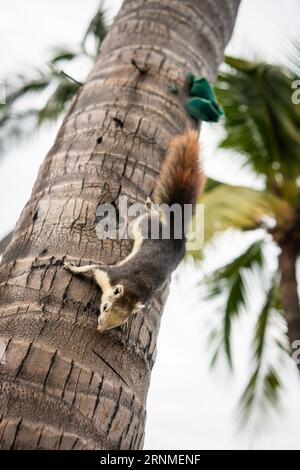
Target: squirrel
point(130, 284)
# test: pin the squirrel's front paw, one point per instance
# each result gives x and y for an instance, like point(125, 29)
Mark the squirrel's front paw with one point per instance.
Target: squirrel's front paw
point(69, 266)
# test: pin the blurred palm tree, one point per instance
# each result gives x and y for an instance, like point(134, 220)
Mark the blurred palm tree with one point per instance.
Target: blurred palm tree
point(53, 86)
point(262, 124)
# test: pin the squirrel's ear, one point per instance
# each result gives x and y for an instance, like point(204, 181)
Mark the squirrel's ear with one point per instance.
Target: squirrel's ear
point(138, 307)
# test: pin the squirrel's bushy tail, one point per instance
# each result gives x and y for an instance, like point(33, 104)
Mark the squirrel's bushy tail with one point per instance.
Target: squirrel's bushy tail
point(181, 179)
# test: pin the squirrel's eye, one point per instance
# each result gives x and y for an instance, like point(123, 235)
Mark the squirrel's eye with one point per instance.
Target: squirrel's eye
point(118, 290)
point(105, 307)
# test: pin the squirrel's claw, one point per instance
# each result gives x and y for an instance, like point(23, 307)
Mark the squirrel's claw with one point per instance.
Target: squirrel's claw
point(69, 265)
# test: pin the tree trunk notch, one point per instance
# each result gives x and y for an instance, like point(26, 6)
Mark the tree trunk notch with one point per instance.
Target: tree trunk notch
point(64, 385)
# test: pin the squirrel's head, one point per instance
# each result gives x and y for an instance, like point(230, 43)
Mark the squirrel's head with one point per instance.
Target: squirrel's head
point(116, 307)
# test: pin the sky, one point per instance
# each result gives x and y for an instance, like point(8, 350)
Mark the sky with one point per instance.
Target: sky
point(189, 407)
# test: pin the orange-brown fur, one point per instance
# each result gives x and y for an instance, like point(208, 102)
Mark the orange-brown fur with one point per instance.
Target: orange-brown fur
point(181, 179)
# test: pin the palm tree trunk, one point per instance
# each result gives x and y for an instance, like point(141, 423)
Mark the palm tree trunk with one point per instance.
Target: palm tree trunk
point(4, 243)
point(64, 385)
point(289, 292)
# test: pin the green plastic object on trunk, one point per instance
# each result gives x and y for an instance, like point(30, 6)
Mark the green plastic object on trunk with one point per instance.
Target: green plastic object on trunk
point(203, 104)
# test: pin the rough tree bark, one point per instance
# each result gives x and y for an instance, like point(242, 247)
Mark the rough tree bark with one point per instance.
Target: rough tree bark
point(64, 385)
point(4, 242)
point(289, 290)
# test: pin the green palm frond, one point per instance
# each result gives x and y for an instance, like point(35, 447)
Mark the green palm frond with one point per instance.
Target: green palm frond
point(24, 86)
point(62, 55)
point(16, 127)
point(58, 101)
point(97, 30)
point(237, 207)
point(261, 121)
point(270, 351)
point(211, 183)
point(230, 280)
point(17, 123)
point(54, 87)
